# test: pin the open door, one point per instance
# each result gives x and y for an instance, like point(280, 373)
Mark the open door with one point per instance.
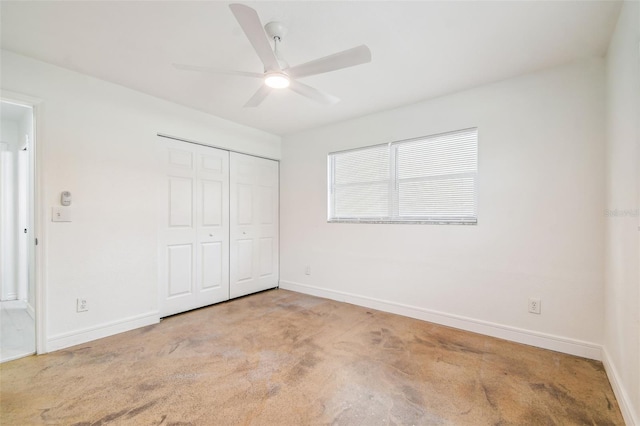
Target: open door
point(17, 240)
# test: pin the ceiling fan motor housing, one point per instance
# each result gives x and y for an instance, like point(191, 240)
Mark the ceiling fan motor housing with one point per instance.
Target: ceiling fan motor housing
point(275, 29)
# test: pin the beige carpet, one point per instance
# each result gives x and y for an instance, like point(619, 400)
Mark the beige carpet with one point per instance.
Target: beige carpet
point(282, 358)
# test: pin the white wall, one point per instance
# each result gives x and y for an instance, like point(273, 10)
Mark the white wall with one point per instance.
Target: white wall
point(540, 225)
point(622, 255)
point(98, 141)
point(9, 132)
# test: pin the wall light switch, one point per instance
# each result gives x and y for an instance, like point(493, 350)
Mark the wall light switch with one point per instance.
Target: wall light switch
point(60, 214)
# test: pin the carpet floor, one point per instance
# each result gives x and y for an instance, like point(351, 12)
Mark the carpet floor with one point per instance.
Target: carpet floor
point(283, 358)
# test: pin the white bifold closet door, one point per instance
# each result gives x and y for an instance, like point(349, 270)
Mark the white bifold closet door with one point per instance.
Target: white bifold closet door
point(254, 224)
point(194, 227)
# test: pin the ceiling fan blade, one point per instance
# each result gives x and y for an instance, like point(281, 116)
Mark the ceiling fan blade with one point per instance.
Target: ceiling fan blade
point(252, 27)
point(315, 94)
point(346, 58)
point(258, 97)
point(217, 70)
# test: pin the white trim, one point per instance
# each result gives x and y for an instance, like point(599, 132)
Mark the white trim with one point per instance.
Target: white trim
point(514, 334)
point(207, 145)
point(40, 228)
point(64, 340)
point(12, 358)
point(624, 401)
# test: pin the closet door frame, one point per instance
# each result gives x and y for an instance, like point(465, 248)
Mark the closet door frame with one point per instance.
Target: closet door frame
point(165, 142)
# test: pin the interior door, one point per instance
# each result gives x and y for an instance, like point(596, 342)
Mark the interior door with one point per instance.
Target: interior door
point(194, 227)
point(254, 224)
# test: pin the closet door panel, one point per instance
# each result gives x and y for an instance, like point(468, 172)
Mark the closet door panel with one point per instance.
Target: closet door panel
point(254, 224)
point(212, 261)
point(212, 202)
point(193, 237)
point(213, 224)
point(244, 260)
point(180, 270)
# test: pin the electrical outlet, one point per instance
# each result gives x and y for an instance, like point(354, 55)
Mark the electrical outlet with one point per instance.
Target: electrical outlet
point(81, 305)
point(307, 270)
point(534, 305)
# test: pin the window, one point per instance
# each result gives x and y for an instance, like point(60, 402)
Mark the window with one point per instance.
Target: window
point(432, 179)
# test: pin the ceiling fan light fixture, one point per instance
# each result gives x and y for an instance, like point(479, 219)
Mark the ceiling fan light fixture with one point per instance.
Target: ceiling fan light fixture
point(277, 80)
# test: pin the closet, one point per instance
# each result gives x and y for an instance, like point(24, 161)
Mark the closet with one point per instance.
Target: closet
point(218, 225)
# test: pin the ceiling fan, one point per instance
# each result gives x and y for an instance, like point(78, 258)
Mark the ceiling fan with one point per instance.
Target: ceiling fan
point(277, 73)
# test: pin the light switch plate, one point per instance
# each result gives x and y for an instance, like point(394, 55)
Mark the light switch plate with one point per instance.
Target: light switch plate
point(60, 214)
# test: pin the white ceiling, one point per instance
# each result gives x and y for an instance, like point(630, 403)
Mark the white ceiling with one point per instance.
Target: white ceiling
point(420, 49)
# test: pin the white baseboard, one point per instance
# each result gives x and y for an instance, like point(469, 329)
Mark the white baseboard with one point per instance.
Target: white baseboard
point(514, 334)
point(65, 340)
point(624, 401)
point(10, 296)
point(31, 311)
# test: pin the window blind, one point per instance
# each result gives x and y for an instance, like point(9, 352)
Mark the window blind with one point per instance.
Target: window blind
point(361, 183)
point(428, 179)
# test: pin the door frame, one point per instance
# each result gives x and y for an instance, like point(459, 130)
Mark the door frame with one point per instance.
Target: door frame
point(223, 148)
point(158, 153)
point(37, 222)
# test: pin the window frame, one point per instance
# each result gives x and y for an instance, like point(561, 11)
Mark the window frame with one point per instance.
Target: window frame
point(394, 205)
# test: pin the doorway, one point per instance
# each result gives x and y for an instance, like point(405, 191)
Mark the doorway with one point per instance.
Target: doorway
point(17, 283)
